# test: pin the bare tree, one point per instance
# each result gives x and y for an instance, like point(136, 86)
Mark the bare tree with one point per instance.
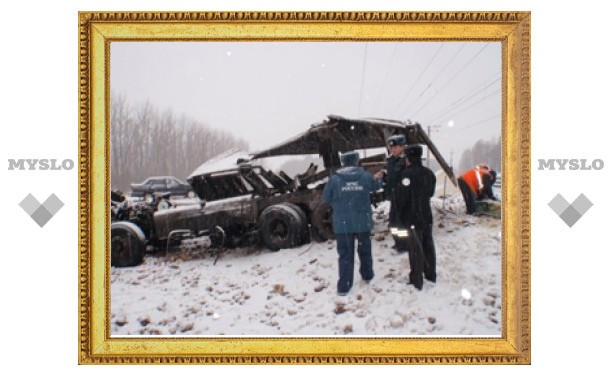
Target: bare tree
point(482, 152)
point(146, 142)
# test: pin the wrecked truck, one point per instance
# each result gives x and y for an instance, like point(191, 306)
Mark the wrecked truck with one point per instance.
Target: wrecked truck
point(241, 202)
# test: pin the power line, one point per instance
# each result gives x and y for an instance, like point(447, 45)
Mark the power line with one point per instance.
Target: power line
point(363, 70)
point(476, 123)
point(439, 74)
point(481, 100)
point(453, 77)
point(418, 78)
point(460, 101)
point(386, 77)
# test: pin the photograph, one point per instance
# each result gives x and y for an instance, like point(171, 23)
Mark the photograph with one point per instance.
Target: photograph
point(275, 191)
point(196, 120)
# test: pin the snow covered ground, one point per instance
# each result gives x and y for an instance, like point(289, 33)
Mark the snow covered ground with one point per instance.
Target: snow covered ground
point(255, 292)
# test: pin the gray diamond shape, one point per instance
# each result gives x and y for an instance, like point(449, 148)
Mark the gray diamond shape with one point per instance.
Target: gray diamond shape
point(41, 216)
point(41, 213)
point(570, 216)
point(558, 204)
point(582, 204)
point(29, 204)
point(53, 204)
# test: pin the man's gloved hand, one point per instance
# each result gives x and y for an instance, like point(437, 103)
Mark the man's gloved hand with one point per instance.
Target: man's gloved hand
point(380, 174)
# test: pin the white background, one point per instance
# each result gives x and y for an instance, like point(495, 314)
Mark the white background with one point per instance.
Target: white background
point(570, 116)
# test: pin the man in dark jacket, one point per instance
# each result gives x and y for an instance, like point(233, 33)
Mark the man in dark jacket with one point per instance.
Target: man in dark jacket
point(396, 162)
point(348, 191)
point(416, 186)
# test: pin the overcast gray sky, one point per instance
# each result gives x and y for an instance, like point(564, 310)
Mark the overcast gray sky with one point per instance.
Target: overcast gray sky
point(267, 92)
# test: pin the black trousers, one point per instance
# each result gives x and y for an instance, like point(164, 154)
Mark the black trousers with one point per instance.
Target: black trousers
point(422, 256)
point(468, 196)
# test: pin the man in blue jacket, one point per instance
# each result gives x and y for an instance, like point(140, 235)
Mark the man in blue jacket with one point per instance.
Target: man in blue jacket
point(348, 191)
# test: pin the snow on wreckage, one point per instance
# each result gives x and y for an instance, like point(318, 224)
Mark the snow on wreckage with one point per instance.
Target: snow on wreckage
point(242, 203)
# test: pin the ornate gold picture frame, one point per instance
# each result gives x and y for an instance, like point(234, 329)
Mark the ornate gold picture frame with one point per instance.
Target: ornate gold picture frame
point(98, 29)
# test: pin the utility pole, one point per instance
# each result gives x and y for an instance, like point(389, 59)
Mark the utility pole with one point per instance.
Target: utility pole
point(429, 127)
point(445, 177)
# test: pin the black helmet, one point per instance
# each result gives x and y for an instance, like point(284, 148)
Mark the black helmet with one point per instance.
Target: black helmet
point(396, 140)
point(350, 158)
point(414, 150)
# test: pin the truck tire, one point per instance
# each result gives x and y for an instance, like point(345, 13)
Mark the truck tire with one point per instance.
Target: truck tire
point(280, 227)
point(128, 244)
point(305, 234)
point(322, 225)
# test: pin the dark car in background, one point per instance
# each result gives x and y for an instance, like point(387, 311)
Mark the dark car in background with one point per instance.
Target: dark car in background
point(162, 184)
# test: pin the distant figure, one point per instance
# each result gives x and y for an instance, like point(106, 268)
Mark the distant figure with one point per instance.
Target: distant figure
point(476, 184)
point(416, 186)
point(396, 162)
point(348, 191)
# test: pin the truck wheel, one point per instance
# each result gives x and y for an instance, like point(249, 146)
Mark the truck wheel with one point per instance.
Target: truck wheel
point(128, 244)
point(322, 225)
point(280, 226)
point(304, 234)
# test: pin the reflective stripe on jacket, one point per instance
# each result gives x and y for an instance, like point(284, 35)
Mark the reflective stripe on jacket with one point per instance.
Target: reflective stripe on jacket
point(474, 178)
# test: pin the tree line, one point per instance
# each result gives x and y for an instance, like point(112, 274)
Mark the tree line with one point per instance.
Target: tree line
point(488, 152)
point(148, 142)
